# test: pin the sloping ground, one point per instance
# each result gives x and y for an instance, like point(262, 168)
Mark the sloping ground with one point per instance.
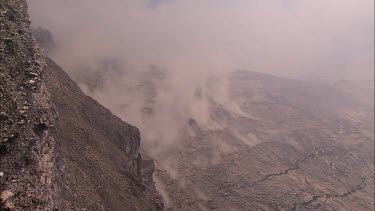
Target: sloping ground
point(100, 167)
point(61, 150)
point(296, 146)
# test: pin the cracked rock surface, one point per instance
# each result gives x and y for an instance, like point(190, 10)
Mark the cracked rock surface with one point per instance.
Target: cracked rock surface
point(297, 146)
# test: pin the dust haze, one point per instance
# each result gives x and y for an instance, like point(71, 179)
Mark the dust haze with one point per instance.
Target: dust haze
point(319, 39)
point(163, 64)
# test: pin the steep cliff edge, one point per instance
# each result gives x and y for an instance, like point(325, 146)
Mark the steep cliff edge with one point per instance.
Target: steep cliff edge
point(100, 167)
point(59, 148)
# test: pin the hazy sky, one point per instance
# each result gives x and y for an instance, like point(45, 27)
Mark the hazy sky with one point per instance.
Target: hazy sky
point(197, 42)
point(310, 39)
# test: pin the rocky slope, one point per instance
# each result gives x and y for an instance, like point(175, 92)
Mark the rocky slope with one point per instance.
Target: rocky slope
point(100, 167)
point(289, 145)
point(28, 117)
point(59, 148)
point(295, 146)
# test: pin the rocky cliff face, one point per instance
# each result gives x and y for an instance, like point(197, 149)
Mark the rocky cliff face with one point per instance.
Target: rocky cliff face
point(28, 133)
point(98, 164)
point(59, 148)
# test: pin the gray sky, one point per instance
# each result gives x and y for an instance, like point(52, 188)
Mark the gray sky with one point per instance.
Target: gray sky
point(309, 39)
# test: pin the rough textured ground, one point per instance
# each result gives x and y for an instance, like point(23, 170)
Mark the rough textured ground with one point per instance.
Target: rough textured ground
point(28, 134)
point(296, 146)
point(98, 161)
point(61, 150)
point(290, 146)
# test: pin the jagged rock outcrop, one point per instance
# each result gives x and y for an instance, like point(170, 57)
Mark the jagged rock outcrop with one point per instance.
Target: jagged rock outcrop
point(27, 116)
point(61, 150)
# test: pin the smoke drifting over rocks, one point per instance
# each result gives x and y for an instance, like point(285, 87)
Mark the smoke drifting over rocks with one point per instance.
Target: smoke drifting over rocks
point(169, 67)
